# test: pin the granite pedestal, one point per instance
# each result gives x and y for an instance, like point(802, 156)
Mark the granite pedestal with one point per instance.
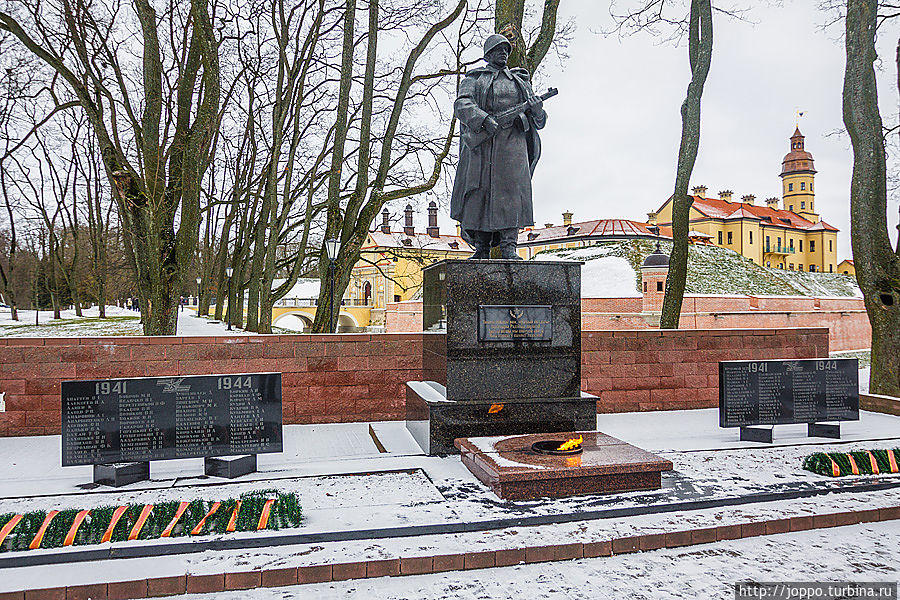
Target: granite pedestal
point(514, 471)
point(501, 352)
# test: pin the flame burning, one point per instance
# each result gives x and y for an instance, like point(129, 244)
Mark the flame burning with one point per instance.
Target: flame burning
point(495, 408)
point(571, 444)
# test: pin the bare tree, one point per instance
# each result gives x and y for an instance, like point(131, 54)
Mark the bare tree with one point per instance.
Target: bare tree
point(509, 19)
point(698, 26)
point(877, 263)
point(154, 132)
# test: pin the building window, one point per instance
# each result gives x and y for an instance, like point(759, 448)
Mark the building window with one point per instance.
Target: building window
point(791, 208)
point(720, 238)
point(768, 263)
point(803, 205)
point(791, 266)
point(659, 286)
point(812, 268)
point(802, 186)
point(829, 246)
point(790, 187)
point(792, 245)
point(645, 287)
point(751, 236)
point(801, 245)
point(800, 267)
point(830, 268)
point(779, 243)
point(396, 297)
point(767, 243)
point(810, 189)
point(730, 238)
point(812, 245)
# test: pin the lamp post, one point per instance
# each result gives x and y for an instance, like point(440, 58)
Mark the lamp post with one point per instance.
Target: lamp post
point(198, 296)
point(332, 245)
point(228, 272)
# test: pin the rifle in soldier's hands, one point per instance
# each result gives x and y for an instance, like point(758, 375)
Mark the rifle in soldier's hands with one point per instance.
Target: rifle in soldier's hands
point(504, 119)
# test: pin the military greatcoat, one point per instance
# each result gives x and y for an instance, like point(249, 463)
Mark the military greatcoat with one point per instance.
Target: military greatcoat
point(492, 188)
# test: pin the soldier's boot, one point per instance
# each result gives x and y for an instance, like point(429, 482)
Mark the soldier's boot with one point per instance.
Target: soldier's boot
point(508, 241)
point(481, 241)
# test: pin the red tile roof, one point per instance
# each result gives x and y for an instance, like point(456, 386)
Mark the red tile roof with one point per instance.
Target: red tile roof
point(422, 241)
point(612, 228)
point(722, 209)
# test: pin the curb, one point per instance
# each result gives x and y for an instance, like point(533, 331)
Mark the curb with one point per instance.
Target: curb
point(417, 565)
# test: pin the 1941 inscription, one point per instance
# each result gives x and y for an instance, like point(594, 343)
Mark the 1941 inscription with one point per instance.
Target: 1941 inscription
point(514, 323)
point(158, 418)
point(776, 392)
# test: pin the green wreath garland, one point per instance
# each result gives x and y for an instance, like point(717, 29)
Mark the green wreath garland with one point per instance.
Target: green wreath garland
point(284, 512)
point(838, 464)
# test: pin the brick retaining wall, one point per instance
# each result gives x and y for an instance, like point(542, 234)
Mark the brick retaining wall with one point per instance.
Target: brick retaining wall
point(361, 377)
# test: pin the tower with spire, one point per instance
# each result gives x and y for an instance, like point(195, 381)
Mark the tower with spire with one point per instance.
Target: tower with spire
point(798, 175)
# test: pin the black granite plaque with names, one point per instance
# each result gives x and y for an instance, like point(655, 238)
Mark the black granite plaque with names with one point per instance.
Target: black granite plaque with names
point(159, 418)
point(777, 392)
point(514, 323)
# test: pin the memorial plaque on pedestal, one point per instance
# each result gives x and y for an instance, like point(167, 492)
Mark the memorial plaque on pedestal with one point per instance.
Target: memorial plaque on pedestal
point(509, 323)
point(777, 392)
point(159, 418)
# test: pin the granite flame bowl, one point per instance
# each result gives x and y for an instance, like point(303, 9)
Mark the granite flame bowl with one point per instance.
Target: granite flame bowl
point(552, 447)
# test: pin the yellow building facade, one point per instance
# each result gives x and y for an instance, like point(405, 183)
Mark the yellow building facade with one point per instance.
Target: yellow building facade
point(784, 234)
point(391, 262)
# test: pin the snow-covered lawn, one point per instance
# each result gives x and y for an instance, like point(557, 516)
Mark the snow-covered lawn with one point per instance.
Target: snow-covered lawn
point(118, 322)
point(856, 553)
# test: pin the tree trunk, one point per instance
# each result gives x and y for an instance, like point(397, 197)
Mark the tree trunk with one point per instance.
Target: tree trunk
point(700, 44)
point(877, 264)
point(508, 18)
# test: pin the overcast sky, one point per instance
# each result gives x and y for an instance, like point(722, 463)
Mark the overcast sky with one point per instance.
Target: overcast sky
point(612, 135)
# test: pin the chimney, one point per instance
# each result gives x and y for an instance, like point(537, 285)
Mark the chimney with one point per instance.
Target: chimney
point(726, 195)
point(699, 190)
point(772, 203)
point(567, 217)
point(749, 199)
point(408, 228)
point(548, 225)
point(385, 221)
point(651, 218)
point(432, 230)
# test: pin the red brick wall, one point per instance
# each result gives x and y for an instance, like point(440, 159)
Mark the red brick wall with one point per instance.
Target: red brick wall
point(679, 369)
point(326, 378)
point(361, 377)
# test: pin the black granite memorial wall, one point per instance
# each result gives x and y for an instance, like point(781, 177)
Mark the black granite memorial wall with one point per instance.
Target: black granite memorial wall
point(158, 418)
point(780, 392)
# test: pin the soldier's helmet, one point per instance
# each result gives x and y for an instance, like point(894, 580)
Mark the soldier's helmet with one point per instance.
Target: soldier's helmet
point(495, 40)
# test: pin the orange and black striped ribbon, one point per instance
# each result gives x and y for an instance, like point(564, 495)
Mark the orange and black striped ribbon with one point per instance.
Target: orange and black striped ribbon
point(266, 511)
point(36, 542)
point(107, 536)
point(7, 529)
point(168, 530)
point(872, 462)
point(835, 469)
point(196, 530)
point(893, 460)
point(139, 524)
point(73, 530)
point(232, 522)
point(853, 466)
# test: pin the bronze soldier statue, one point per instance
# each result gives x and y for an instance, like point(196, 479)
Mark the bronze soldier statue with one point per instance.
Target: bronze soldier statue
point(499, 148)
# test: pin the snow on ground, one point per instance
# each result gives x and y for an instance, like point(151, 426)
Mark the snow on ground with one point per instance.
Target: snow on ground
point(604, 276)
point(118, 322)
point(869, 552)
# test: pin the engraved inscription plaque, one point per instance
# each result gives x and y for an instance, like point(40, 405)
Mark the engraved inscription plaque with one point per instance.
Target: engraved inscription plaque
point(159, 418)
point(776, 392)
point(514, 323)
